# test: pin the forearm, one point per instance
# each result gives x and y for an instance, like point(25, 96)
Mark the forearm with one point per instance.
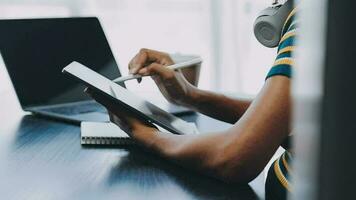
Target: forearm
point(194, 152)
point(218, 106)
point(197, 152)
point(206, 153)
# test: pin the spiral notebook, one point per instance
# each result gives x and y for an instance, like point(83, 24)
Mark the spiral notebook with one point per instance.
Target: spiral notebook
point(100, 133)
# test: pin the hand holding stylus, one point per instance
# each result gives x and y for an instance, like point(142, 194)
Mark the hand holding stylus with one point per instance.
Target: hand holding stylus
point(160, 67)
point(144, 71)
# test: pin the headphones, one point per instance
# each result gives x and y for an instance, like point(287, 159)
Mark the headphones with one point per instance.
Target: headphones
point(270, 21)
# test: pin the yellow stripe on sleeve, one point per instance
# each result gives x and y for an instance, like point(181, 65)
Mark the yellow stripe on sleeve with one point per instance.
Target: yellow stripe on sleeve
point(287, 35)
point(286, 49)
point(280, 176)
point(284, 61)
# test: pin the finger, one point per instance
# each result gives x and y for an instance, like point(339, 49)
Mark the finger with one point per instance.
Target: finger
point(162, 71)
point(138, 62)
point(115, 119)
point(121, 122)
point(144, 57)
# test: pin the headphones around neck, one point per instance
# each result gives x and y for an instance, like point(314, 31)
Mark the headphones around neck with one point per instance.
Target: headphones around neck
point(269, 23)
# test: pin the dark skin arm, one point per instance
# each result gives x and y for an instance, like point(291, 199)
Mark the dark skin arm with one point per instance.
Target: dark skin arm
point(238, 154)
point(219, 106)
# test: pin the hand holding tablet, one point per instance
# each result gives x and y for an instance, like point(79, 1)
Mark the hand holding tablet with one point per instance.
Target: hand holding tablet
point(127, 100)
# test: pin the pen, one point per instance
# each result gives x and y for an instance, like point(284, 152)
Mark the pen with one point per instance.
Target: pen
point(174, 67)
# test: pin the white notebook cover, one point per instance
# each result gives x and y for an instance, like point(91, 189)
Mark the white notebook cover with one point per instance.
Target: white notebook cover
point(100, 133)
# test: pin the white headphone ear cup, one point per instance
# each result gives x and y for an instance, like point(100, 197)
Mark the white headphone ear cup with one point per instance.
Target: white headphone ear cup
point(268, 26)
point(267, 30)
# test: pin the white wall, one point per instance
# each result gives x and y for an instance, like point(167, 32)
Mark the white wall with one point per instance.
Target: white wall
point(218, 30)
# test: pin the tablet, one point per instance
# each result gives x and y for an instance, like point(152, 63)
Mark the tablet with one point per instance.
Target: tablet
point(131, 102)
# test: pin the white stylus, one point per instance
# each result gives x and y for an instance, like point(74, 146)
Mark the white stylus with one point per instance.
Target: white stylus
point(174, 67)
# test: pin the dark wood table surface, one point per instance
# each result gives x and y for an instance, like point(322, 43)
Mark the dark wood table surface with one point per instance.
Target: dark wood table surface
point(43, 159)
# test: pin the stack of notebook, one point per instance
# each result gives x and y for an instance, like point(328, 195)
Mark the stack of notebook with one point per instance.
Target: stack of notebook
point(99, 133)
point(103, 134)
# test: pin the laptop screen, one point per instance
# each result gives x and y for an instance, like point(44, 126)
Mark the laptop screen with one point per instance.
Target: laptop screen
point(36, 50)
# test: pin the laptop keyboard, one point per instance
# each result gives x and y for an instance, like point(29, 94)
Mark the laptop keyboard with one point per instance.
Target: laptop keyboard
point(85, 107)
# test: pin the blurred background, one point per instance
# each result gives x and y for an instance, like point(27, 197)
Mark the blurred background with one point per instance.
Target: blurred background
point(218, 30)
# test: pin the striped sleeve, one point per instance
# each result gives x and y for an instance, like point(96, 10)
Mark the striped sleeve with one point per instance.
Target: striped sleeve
point(284, 60)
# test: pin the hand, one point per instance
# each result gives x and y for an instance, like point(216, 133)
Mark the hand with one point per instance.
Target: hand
point(118, 115)
point(172, 84)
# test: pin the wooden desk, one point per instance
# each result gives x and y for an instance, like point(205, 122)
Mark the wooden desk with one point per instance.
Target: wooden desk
point(43, 159)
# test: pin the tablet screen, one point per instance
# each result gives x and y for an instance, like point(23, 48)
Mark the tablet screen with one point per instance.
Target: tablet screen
point(124, 97)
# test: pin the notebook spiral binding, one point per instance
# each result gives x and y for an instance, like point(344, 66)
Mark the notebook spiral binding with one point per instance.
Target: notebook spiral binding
point(107, 140)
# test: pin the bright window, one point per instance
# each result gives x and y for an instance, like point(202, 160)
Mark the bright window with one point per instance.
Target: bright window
point(220, 31)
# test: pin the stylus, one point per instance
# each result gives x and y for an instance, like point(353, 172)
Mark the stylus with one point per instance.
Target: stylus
point(174, 67)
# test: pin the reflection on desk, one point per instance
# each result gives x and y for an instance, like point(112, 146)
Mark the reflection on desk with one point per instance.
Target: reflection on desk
point(43, 159)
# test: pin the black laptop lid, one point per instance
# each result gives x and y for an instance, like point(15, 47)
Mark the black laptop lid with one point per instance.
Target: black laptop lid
point(36, 50)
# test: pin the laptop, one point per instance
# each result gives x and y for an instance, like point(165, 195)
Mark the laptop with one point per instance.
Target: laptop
point(36, 50)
